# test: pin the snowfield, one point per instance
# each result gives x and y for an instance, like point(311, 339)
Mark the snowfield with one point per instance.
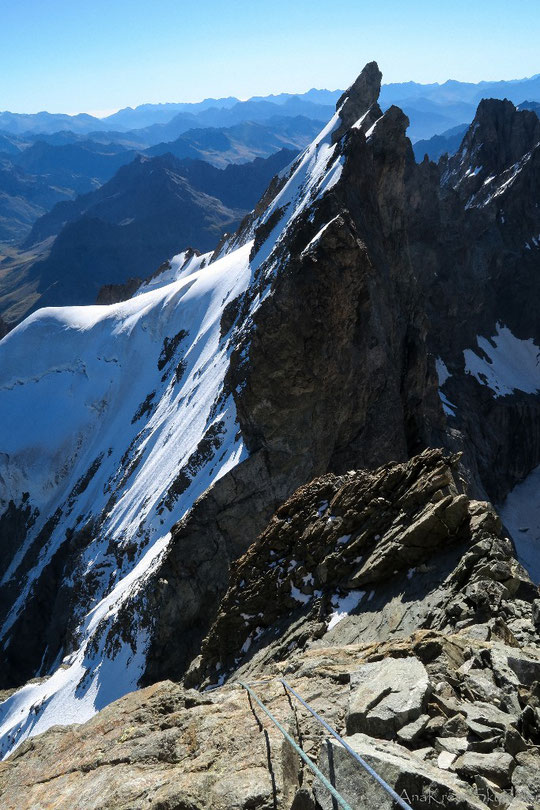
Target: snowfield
point(73, 383)
point(520, 513)
point(115, 420)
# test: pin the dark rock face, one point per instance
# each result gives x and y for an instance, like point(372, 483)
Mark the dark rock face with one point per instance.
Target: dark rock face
point(195, 573)
point(497, 139)
point(338, 375)
point(48, 621)
point(481, 273)
point(14, 524)
point(330, 398)
point(114, 293)
point(361, 96)
point(388, 260)
point(391, 269)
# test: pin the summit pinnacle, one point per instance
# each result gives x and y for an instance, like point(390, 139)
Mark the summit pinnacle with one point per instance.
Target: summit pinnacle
point(358, 99)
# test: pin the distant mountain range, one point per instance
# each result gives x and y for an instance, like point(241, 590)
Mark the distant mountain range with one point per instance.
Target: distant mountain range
point(431, 108)
point(449, 142)
point(434, 108)
point(151, 209)
point(34, 177)
point(530, 105)
point(241, 142)
point(439, 145)
point(76, 191)
point(24, 198)
point(158, 117)
point(46, 158)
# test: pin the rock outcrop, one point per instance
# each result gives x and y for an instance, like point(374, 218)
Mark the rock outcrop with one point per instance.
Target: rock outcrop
point(113, 293)
point(168, 747)
point(388, 695)
point(394, 605)
point(393, 550)
point(360, 100)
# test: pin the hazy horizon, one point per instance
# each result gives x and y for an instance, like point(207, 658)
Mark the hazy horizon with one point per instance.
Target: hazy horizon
point(104, 113)
point(104, 56)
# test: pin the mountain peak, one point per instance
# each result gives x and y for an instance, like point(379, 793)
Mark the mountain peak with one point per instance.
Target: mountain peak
point(498, 140)
point(359, 97)
point(362, 93)
point(510, 132)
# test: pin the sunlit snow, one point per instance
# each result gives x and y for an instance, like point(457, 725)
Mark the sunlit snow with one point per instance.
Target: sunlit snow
point(97, 425)
point(316, 171)
point(72, 381)
point(343, 606)
point(507, 364)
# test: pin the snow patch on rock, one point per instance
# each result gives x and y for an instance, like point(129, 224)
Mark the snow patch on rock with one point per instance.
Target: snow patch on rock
point(506, 363)
point(343, 606)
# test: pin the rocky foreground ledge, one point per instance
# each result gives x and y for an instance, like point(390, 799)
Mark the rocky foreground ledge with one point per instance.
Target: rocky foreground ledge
point(446, 719)
point(395, 606)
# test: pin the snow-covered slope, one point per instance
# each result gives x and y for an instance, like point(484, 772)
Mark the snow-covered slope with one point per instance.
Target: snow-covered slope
point(303, 338)
point(506, 364)
point(103, 408)
point(115, 419)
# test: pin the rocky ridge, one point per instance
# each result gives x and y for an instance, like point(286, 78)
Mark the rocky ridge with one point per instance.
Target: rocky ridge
point(441, 696)
point(320, 327)
point(348, 379)
point(400, 548)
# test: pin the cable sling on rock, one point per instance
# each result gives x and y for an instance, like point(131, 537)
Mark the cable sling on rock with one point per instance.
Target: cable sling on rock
point(391, 792)
point(318, 773)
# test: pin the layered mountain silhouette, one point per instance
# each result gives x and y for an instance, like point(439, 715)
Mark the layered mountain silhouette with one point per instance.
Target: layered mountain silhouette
point(125, 229)
point(427, 105)
point(64, 160)
point(36, 175)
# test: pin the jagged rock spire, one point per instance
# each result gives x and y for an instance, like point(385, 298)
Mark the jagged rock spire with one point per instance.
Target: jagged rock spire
point(358, 99)
point(499, 139)
point(500, 134)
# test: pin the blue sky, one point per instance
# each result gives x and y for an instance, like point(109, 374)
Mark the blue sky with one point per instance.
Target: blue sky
point(99, 55)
